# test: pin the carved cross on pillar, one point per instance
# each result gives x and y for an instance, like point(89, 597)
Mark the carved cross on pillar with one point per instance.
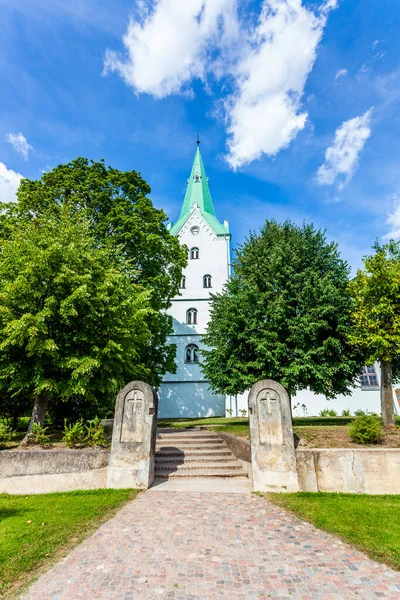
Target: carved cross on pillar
point(133, 399)
point(269, 400)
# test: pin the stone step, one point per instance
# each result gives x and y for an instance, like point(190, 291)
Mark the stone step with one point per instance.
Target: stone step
point(189, 440)
point(190, 452)
point(187, 437)
point(189, 465)
point(185, 447)
point(226, 459)
point(200, 472)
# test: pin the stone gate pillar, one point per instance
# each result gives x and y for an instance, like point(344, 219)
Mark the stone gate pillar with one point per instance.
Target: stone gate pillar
point(272, 446)
point(134, 437)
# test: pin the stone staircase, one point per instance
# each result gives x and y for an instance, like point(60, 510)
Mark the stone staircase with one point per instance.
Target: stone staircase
point(194, 453)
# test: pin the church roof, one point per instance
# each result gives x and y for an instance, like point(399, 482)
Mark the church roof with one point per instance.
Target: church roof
point(198, 193)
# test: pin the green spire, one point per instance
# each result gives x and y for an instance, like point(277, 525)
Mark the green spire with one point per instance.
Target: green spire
point(198, 193)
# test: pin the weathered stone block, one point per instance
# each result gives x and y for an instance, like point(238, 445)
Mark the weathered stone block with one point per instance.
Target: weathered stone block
point(134, 437)
point(272, 445)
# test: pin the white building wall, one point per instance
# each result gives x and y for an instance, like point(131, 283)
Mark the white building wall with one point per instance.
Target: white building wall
point(186, 393)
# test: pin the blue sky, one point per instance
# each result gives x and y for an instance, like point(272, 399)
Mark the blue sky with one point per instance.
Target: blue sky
point(296, 104)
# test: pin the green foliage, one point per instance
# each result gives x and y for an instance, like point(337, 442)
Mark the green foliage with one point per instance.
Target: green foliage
point(328, 412)
point(243, 412)
point(74, 434)
point(229, 411)
point(284, 315)
point(72, 324)
point(14, 406)
point(6, 434)
point(78, 434)
point(95, 435)
point(121, 215)
point(346, 412)
point(366, 429)
point(39, 435)
point(360, 412)
point(376, 317)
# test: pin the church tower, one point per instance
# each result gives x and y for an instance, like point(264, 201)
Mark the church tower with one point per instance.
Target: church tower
point(186, 393)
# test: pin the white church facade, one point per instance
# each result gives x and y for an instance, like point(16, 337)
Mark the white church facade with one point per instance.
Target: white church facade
point(187, 393)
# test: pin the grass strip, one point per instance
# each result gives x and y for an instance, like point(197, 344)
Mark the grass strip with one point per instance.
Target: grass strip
point(370, 523)
point(37, 530)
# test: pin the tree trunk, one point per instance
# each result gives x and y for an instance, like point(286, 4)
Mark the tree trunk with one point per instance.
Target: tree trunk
point(38, 413)
point(387, 404)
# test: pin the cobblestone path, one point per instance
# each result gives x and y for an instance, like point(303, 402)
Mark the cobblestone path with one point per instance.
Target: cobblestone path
point(192, 546)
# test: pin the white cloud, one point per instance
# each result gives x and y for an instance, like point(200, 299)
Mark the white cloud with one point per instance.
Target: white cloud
point(394, 221)
point(341, 73)
point(341, 159)
point(9, 182)
point(374, 44)
point(264, 113)
point(19, 143)
point(172, 43)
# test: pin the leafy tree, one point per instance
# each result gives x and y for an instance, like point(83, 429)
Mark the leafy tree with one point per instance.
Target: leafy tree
point(283, 315)
point(71, 322)
point(120, 214)
point(376, 318)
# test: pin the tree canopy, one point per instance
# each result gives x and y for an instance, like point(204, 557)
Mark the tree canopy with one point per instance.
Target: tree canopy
point(376, 317)
point(71, 322)
point(284, 314)
point(120, 214)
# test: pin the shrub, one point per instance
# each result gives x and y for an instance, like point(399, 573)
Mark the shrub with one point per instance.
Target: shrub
point(38, 435)
point(359, 412)
point(366, 429)
point(74, 433)
point(328, 412)
point(6, 434)
point(243, 412)
point(229, 411)
point(95, 435)
point(346, 412)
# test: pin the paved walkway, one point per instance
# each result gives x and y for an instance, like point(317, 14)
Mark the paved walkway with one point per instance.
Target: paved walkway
point(192, 546)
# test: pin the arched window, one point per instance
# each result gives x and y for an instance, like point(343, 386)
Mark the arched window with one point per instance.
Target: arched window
point(183, 283)
point(191, 316)
point(207, 281)
point(194, 253)
point(192, 353)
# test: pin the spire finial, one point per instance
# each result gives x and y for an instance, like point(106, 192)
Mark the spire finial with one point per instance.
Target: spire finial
point(198, 140)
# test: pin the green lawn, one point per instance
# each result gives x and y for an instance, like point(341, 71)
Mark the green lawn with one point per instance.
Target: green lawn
point(37, 530)
point(371, 523)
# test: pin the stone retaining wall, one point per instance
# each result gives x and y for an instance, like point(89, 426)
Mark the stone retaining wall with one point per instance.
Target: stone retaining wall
point(349, 470)
point(43, 471)
point(240, 447)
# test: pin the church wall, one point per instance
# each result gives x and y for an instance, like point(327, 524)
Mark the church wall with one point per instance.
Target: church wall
point(188, 400)
point(186, 393)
